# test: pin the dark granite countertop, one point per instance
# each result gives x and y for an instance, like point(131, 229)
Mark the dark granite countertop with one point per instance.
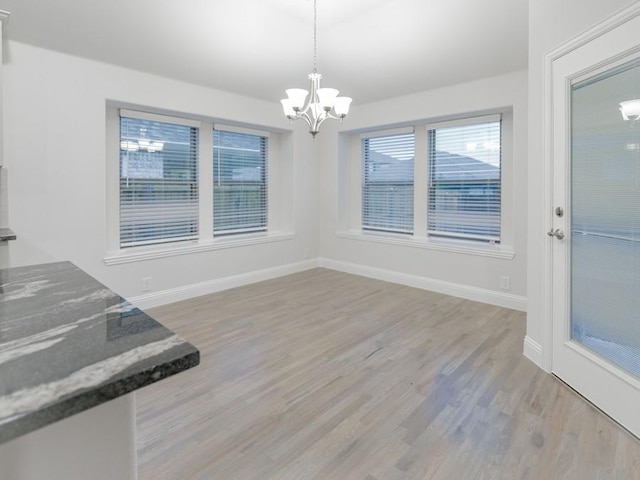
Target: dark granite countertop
point(68, 343)
point(6, 234)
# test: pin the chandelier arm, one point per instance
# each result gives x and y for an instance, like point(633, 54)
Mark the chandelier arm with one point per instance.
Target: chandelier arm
point(307, 106)
point(323, 116)
point(333, 116)
point(305, 116)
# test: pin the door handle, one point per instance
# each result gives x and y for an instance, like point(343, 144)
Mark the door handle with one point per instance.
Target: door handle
point(558, 233)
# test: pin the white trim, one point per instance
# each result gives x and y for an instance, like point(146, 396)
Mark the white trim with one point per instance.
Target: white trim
point(205, 182)
point(403, 240)
point(186, 292)
point(421, 178)
point(461, 122)
point(112, 170)
point(154, 117)
point(533, 351)
point(617, 19)
point(223, 127)
point(427, 121)
point(351, 169)
point(388, 132)
point(483, 295)
point(604, 363)
point(4, 18)
point(279, 187)
point(169, 250)
point(614, 21)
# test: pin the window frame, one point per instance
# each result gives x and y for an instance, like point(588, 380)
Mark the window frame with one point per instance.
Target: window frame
point(194, 183)
point(279, 188)
point(264, 181)
point(431, 129)
point(375, 135)
point(350, 197)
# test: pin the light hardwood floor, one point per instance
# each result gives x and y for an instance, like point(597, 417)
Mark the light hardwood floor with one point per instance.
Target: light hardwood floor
point(324, 375)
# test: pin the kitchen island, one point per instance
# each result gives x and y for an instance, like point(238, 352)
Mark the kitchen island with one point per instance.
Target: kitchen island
point(69, 344)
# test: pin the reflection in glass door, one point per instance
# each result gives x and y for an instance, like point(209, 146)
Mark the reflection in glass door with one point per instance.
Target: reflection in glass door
point(605, 215)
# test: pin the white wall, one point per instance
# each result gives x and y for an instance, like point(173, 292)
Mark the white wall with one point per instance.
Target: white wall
point(472, 276)
point(55, 162)
point(551, 23)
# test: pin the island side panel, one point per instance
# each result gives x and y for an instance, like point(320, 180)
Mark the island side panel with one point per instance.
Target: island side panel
point(97, 444)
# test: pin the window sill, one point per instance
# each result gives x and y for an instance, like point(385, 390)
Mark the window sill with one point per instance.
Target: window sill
point(444, 245)
point(139, 254)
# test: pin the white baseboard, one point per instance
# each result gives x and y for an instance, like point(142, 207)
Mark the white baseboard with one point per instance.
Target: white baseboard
point(186, 292)
point(164, 297)
point(483, 295)
point(533, 351)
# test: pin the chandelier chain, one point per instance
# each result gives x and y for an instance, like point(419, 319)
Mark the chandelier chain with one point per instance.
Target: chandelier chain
point(315, 36)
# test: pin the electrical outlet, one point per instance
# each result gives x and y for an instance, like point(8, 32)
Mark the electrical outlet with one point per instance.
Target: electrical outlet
point(505, 283)
point(306, 253)
point(146, 284)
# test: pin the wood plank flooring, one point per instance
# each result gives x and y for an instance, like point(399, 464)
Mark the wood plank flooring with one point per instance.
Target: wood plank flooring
point(325, 375)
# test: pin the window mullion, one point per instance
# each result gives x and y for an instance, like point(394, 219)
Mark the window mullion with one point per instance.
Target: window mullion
point(205, 170)
point(420, 183)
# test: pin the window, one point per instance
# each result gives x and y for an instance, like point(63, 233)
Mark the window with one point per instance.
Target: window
point(440, 181)
point(177, 184)
point(239, 182)
point(158, 182)
point(464, 181)
point(387, 183)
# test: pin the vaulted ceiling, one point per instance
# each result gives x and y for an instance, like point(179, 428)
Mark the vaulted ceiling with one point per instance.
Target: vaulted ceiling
point(369, 49)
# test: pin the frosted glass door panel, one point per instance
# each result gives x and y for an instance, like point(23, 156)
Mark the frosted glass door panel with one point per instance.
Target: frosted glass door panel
point(605, 217)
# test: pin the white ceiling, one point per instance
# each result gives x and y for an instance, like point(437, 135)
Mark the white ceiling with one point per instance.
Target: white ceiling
point(369, 49)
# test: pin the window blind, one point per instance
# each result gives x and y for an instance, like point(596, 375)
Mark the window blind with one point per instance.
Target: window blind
point(604, 217)
point(158, 182)
point(239, 182)
point(387, 183)
point(464, 181)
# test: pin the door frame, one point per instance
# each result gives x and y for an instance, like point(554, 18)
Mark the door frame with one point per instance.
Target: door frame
point(623, 16)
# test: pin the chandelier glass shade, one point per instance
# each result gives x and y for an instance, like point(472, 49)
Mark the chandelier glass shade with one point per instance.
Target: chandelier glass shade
point(316, 104)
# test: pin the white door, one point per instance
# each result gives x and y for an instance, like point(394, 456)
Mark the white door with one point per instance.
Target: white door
point(595, 232)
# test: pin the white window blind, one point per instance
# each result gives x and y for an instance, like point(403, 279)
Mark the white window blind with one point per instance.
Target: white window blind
point(604, 216)
point(387, 183)
point(464, 181)
point(239, 182)
point(158, 182)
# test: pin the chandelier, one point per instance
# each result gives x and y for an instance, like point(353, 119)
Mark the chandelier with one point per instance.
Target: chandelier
point(321, 103)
